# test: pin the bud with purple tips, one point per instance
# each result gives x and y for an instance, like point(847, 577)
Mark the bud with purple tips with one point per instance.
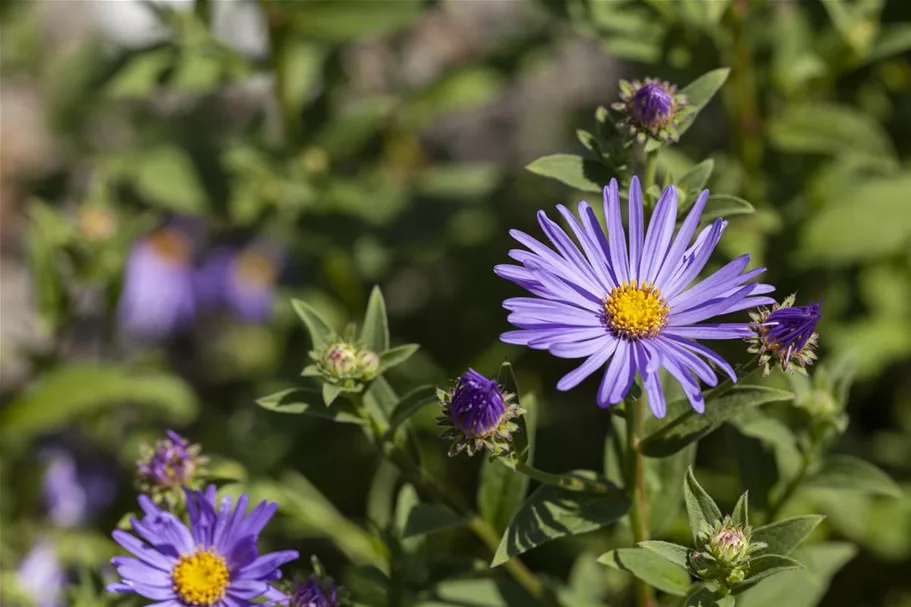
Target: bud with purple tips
point(650, 109)
point(171, 465)
point(787, 334)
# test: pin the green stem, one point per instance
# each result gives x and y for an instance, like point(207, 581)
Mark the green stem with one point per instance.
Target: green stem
point(635, 483)
point(278, 57)
point(566, 481)
point(651, 170)
point(790, 489)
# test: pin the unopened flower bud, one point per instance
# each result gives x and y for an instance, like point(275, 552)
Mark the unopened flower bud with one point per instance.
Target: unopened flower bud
point(785, 334)
point(166, 469)
point(649, 109)
point(345, 363)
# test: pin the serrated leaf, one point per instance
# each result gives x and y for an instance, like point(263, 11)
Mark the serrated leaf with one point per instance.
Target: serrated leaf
point(674, 553)
point(784, 536)
point(706, 598)
point(430, 518)
point(770, 564)
point(699, 92)
point(690, 426)
point(410, 404)
point(75, 390)
point(694, 180)
point(375, 330)
point(320, 332)
point(551, 513)
point(307, 401)
point(701, 509)
point(723, 205)
point(577, 172)
point(396, 356)
point(848, 473)
point(649, 567)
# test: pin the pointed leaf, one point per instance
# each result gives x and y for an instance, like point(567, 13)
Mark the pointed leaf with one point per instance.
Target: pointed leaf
point(551, 513)
point(848, 473)
point(306, 401)
point(699, 92)
point(649, 567)
point(430, 518)
point(690, 426)
point(577, 172)
point(741, 514)
point(320, 332)
point(375, 331)
point(723, 205)
point(410, 404)
point(769, 564)
point(700, 507)
point(330, 393)
point(706, 598)
point(675, 553)
point(396, 356)
point(694, 180)
point(784, 536)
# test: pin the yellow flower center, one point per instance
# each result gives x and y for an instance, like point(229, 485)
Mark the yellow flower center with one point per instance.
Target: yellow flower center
point(634, 311)
point(200, 579)
point(254, 268)
point(171, 245)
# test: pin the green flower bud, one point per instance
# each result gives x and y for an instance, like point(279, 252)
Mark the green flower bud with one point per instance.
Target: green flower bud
point(345, 363)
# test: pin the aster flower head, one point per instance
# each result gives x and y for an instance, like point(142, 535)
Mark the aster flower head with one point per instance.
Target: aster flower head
point(344, 362)
point(723, 551)
point(213, 561)
point(318, 590)
point(242, 280)
point(158, 297)
point(163, 471)
point(650, 109)
point(479, 414)
point(630, 309)
point(786, 335)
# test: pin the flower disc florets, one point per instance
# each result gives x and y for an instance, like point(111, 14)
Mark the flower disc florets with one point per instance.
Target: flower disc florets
point(650, 109)
point(786, 333)
point(723, 551)
point(345, 363)
point(172, 464)
point(480, 415)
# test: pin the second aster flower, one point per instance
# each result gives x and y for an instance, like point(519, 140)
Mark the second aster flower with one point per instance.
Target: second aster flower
point(167, 468)
point(786, 333)
point(630, 309)
point(479, 414)
point(650, 109)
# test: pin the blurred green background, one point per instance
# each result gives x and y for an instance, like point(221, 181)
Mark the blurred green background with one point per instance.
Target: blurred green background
point(384, 142)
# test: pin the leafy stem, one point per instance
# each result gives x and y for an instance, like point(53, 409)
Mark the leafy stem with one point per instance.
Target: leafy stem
point(566, 481)
point(635, 484)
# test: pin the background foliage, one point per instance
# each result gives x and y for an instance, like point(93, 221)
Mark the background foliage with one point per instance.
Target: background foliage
point(385, 142)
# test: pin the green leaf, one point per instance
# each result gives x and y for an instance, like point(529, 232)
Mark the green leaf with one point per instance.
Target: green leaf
point(141, 73)
point(701, 509)
point(577, 172)
point(476, 592)
point(829, 129)
point(741, 514)
point(801, 587)
point(396, 356)
point(551, 513)
point(769, 564)
point(430, 518)
point(784, 536)
point(649, 567)
point(714, 10)
point(63, 394)
point(410, 404)
point(848, 473)
point(690, 426)
point(723, 205)
point(330, 393)
point(375, 332)
point(320, 332)
point(675, 553)
point(893, 39)
point(338, 22)
point(699, 92)
point(706, 598)
point(307, 401)
point(167, 177)
point(694, 180)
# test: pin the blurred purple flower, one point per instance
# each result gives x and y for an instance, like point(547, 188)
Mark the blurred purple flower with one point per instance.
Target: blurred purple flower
point(41, 576)
point(242, 280)
point(158, 297)
point(312, 593)
point(73, 492)
point(172, 463)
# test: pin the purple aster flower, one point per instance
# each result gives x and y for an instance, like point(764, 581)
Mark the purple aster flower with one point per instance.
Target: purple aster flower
point(479, 414)
point(652, 103)
point(72, 492)
point(166, 469)
point(631, 309)
point(41, 576)
point(213, 561)
point(312, 593)
point(157, 298)
point(650, 109)
point(786, 332)
point(242, 280)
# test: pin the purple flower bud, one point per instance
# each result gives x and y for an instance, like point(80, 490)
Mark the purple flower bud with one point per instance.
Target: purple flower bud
point(172, 464)
point(312, 593)
point(477, 404)
point(652, 103)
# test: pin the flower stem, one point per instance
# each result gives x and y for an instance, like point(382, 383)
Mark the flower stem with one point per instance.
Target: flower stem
point(635, 484)
point(651, 169)
point(566, 481)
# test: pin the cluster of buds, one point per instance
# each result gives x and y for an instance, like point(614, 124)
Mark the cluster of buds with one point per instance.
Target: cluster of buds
point(345, 363)
point(165, 469)
point(785, 335)
point(479, 415)
point(649, 109)
point(723, 551)
point(318, 590)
